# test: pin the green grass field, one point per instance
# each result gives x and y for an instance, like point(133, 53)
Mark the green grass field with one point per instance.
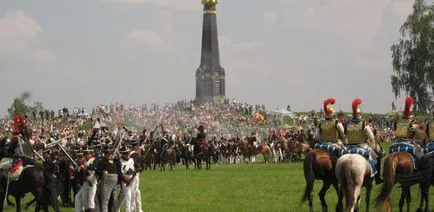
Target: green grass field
point(244, 187)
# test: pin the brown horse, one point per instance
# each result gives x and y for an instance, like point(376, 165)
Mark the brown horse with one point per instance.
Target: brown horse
point(319, 164)
point(265, 150)
point(169, 156)
point(398, 166)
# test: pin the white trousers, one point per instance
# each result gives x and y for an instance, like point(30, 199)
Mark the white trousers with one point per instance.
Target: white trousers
point(85, 198)
point(127, 190)
point(135, 195)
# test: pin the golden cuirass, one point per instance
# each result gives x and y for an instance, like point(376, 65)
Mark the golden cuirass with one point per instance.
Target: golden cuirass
point(328, 130)
point(402, 128)
point(355, 133)
point(431, 131)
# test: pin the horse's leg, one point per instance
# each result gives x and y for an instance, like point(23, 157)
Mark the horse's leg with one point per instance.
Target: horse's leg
point(422, 195)
point(340, 192)
point(368, 196)
point(340, 204)
point(401, 200)
point(30, 203)
point(408, 194)
point(322, 193)
point(18, 203)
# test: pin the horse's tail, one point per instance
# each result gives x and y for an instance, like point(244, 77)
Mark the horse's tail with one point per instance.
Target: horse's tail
point(389, 178)
point(348, 183)
point(309, 176)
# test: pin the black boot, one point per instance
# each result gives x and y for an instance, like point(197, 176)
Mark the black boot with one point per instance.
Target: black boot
point(378, 179)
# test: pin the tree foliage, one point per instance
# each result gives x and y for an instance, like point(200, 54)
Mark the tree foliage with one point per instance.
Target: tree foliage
point(413, 57)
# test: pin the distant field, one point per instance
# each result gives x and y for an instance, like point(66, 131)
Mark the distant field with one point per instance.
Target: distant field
point(244, 187)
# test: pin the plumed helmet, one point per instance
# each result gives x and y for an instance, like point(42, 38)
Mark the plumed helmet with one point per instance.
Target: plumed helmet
point(408, 110)
point(328, 109)
point(356, 109)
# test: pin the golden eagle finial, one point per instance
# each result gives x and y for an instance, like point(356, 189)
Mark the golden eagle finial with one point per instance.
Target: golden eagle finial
point(209, 2)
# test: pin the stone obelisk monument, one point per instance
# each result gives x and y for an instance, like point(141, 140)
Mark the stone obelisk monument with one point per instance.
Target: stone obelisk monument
point(210, 76)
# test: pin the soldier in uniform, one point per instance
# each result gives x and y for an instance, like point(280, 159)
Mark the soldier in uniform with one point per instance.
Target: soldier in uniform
point(330, 130)
point(87, 193)
point(407, 129)
point(18, 151)
point(136, 154)
point(108, 171)
point(430, 132)
point(359, 132)
point(127, 173)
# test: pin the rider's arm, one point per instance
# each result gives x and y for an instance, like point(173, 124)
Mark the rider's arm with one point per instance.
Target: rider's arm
point(341, 131)
point(370, 136)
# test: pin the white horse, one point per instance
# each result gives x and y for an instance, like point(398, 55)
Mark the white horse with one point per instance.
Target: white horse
point(354, 171)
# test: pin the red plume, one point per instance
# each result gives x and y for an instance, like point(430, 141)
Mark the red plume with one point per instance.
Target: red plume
point(408, 102)
point(356, 103)
point(328, 101)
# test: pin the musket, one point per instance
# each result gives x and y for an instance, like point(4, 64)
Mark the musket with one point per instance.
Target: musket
point(53, 142)
point(64, 151)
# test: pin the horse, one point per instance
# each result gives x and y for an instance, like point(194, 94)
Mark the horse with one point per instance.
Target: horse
point(33, 180)
point(168, 156)
point(202, 152)
point(319, 164)
point(354, 171)
point(397, 167)
point(428, 167)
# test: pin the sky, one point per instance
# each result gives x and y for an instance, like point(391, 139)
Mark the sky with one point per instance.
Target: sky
point(275, 52)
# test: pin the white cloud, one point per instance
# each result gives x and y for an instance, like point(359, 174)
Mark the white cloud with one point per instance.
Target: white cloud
point(21, 38)
point(175, 4)
point(270, 17)
point(145, 37)
point(162, 35)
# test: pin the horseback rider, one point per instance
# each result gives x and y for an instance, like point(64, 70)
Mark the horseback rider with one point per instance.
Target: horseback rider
point(430, 136)
point(359, 132)
point(407, 129)
point(201, 137)
point(252, 139)
point(166, 141)
point(330, 130)
point(17, 150)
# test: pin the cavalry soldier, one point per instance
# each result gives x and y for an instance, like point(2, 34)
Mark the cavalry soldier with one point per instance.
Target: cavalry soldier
point(127, 173)
point(17, 151)
point(201, 137)
point(252, 139)
point(330, 130)
point(108, 171)
point(407, 128)
point(136, 154)
point(359, 132)
point(87, 193)
point(430, 132)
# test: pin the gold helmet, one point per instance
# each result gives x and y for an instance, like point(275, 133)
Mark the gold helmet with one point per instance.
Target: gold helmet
point(328, 109)
point(408, 110)
point(356, 109)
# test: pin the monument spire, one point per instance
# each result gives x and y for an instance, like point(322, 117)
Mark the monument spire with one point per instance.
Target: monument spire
point(210, 76)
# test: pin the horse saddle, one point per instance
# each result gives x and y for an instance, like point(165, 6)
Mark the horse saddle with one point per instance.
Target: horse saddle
point(333, 148)
point(15, 167)
point(359, 150)
point(405, 147)
point(429, 148)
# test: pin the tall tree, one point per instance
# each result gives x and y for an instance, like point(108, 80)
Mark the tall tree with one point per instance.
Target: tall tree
point(413, 57)
point(19, 106)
